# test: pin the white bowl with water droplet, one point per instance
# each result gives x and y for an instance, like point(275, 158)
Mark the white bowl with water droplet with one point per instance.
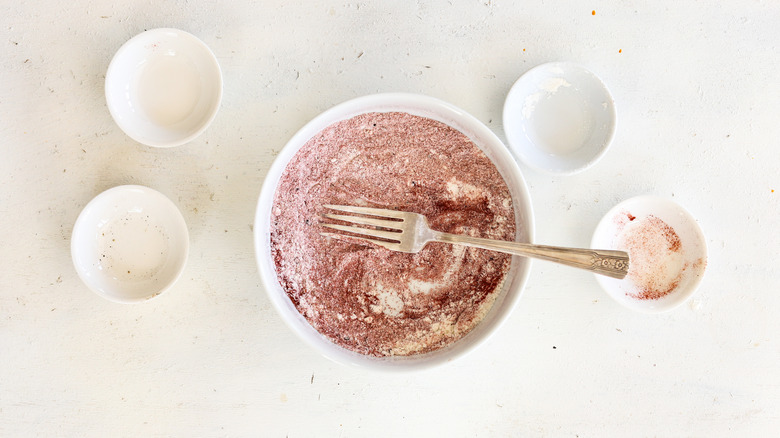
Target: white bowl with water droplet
point(130, 244)
point(163, 87)
point(559, 118)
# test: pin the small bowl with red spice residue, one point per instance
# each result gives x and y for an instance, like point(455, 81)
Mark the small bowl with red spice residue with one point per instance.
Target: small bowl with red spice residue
point(666, 248)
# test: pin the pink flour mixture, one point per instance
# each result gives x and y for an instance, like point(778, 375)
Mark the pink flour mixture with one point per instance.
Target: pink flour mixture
point(657, 262)
point(368, 299)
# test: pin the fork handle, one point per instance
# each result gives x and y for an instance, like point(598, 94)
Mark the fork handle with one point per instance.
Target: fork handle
point(606, 262)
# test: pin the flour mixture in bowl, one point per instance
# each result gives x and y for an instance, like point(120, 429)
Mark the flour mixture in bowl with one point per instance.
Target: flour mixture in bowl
point(366, 298)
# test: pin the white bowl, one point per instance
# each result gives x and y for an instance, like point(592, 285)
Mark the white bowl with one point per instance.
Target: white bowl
point(163, 87)
point(424, 106)
point(559, 118)
point(660, 264)
point(130, 244)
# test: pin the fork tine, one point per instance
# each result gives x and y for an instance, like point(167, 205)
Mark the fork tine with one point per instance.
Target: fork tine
point(351, 239)
point(390, 235)
point(382, 212)
point(364, 220)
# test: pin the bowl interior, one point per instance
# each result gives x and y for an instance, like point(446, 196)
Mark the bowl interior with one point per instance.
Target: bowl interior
point(691, 263)
point(163, 87)
point(130, 244)
point(421, 106)
point(559, 117)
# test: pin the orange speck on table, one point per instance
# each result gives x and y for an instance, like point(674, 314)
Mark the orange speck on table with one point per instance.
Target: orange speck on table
point(593, 13)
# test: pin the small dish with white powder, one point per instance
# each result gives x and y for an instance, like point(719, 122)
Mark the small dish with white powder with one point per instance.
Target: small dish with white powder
point(559, 118)
point(666, 248)
point(163, 87)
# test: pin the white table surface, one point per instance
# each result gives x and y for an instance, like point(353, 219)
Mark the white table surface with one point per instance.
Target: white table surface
point(698, 98)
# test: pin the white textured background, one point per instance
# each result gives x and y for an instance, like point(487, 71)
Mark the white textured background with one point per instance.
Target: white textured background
point(698, 97)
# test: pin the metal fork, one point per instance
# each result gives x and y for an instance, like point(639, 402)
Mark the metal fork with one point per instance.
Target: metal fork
point(409, 232)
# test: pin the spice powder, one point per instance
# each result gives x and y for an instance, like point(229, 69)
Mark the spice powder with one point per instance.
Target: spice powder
point(369, 299)
point(656, 253)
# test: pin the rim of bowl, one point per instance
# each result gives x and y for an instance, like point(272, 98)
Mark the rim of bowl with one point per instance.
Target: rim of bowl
point(517, 150)
point(419, 105)
point(107, 194)
point(212, 114)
